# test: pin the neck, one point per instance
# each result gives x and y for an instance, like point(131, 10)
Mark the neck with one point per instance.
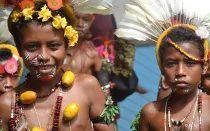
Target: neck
point(183, 99)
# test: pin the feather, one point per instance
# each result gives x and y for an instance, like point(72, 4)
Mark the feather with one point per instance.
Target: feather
point(95, 6)
point(146, 20)
point(5, 35)
point(77, 2)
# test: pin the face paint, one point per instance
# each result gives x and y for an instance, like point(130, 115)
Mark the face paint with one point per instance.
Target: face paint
point(48, 76)
point(37, 61)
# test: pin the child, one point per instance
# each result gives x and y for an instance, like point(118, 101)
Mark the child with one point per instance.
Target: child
point(181, 51)
point(11, 67)
point(51, 98)
point(183, 74)
point(206, 79)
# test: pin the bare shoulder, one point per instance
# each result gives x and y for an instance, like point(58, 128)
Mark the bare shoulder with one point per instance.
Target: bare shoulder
point(206, 100)
point(87, 81)
point(91, 87)
point(150, 110)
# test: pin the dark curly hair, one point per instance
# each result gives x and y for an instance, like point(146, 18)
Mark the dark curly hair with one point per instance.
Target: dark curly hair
point(18, 27)
point(181, 34)
point(5, 54)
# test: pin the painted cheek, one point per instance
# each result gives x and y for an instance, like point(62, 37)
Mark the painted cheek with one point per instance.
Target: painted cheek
point(86, 25)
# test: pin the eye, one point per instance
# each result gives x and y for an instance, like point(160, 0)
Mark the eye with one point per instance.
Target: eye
point(32, 47)
point(86, 19)
point(2, 76)
point(54, 46)
point(191, 63)
point(170, 64)
point(15, 76)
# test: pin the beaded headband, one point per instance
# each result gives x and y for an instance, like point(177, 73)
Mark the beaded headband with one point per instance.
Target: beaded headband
point(11, 66)
point(45, 14)
point(159, 41)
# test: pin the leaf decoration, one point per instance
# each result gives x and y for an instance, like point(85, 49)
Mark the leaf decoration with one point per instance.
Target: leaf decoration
point(135, 124)
point(109, 112)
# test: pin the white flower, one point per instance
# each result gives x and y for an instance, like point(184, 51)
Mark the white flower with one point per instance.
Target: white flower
point(202, 32)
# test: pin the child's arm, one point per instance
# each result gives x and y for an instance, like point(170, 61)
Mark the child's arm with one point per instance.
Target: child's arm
point(97, 105)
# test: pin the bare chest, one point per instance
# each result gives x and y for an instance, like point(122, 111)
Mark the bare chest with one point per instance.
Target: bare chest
point(82, 61)
point(44, 112)
point(162, 122)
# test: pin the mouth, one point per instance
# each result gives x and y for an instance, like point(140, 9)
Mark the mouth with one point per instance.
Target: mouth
point(45, 69)
point(79, 30)
point(181, 84)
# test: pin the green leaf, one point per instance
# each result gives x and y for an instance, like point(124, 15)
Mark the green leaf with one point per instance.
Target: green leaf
point(135, 123)
point(110, 111)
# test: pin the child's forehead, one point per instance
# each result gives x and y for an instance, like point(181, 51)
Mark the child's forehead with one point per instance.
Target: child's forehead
point(37, 31)
point(187, 46)
point(185, 50)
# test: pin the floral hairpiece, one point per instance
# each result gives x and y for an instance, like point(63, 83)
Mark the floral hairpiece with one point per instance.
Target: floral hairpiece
point(45, 14)
point(202, 32)
point(11, 66)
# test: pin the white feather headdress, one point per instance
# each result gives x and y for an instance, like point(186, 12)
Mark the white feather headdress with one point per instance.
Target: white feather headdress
point(147, 19)
point(154, 19)
point(93, 6)
point(4, 32)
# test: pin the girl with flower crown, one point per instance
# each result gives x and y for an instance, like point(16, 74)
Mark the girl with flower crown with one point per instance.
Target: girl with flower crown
point(51, 97)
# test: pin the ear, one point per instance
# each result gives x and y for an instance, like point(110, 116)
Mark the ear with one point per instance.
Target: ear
point(163, 83)
point(205, 68)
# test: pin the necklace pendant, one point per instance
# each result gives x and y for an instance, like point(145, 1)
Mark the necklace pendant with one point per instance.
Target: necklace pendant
point(176, 123)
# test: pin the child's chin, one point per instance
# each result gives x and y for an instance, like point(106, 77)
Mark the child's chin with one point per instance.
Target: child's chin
point(46, 78)
point(181, 91)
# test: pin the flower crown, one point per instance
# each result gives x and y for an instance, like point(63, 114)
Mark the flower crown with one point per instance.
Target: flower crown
point(45, 14)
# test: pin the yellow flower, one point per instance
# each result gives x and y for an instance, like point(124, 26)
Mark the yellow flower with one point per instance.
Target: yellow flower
point(73, 40)
point(68, 32)
point(63, 22)
point(45, 13)
point(59, 22)
point(27, 13)
point(71, 34)
point(16, 16)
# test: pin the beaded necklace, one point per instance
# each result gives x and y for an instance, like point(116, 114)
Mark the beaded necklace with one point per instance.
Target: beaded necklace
point(180, 122)
point(15, 110)
point(198, 105)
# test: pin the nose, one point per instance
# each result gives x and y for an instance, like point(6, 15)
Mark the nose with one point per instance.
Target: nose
point(80, 23)
point(44, 56)
point(180, 72)
point(7, 85)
